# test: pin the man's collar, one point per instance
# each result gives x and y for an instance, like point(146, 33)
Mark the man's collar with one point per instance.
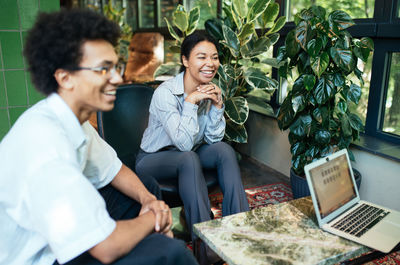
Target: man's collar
point(67, 119)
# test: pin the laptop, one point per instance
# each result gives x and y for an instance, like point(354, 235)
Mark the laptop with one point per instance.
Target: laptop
point(339, 209)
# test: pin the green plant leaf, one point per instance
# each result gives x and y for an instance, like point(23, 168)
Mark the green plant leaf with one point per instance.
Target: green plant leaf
point(345, 125)
point(312, 151)
point(302, 34)
point(274, 38)
point(319, 63)
point(231, 40)
point(237, 109)
point(246, 33)
point(298, 163)
point(354, 93)
point(301, 127)
point(342, 106)
point(180, 20)
point(322, 137)
point(259, 105)
point(341, 19)
point(214, 29)
point(254, 48)
point(167, 69)
point(292, 46)
point(309, 82)
point(256, 9)
point(194, 17)
point(355, 122)
point(270, 13)
point(358, 73)
point(277, 26)
point(314, 46)
point(286, 113)
point(367, 43)
point(320, 114)
point(258, 80)
point(235, 133)
point(172, 31)
point(319, 11)
point(298, 103)
point(298, 148)
point(342, 58)
point(324, 90)
point(240, 7)
point(338, 79)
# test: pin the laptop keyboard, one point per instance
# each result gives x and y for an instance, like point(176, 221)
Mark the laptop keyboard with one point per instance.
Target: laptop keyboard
point(360, 220)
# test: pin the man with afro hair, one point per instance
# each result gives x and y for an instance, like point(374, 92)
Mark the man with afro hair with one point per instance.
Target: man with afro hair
point(65, 197)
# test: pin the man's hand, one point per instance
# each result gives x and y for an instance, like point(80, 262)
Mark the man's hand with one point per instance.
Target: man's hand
point(162, 213)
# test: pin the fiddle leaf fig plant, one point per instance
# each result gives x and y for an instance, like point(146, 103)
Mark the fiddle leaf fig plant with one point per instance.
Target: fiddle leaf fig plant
point(242, 76)
point(317, 109)
point(186, 23)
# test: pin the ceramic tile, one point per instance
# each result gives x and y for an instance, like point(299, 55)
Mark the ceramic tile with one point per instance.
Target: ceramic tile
point(49, 5)
point(28, 10)
point(15, 113)
point(11, 49)
point(16, 88)
point(9, 14)
point(4, 123)
point(3, 102)
point(34, 95)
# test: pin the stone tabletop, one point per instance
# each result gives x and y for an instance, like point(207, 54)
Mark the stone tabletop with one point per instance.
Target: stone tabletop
point(284, 233)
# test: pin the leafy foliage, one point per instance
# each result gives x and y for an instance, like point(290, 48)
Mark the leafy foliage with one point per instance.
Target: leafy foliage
point(317, 109)
point(241, 76)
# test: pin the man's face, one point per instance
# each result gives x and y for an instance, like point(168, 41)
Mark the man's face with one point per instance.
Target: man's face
point(95, 90)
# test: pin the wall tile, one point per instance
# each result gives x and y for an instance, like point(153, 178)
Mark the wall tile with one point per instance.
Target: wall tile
point(28, 10)
point(15, 113)
point(9, 14)
point(3, 102)
point(49, 5)
point(4, 125)
point(34, 95)
point(16, 88)
point(11, 49)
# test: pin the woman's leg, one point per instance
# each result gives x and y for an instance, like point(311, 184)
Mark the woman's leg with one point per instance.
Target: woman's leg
point(187, 168)
point(222, 157)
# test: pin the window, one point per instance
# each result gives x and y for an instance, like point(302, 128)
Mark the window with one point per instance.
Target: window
point(146, 14)
point(167, 9)
point(208, 9)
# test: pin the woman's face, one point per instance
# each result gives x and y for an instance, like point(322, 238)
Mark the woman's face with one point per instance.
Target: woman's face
point(203, 62)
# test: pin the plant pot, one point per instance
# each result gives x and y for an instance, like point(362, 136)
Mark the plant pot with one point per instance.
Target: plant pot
point(300, 187)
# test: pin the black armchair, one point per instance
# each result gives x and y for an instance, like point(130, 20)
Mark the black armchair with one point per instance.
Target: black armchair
point(123, 128)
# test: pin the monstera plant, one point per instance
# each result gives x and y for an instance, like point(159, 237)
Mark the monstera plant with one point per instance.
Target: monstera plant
point(186, 23)
point(242, 76)
point(317, 110)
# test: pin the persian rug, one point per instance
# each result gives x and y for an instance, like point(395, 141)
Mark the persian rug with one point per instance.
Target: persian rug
point(257, 197)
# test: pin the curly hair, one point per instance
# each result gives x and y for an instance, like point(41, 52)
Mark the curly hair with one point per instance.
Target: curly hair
point(56, 39)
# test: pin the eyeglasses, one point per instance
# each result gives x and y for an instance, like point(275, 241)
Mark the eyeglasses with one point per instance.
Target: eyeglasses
point(104, 70)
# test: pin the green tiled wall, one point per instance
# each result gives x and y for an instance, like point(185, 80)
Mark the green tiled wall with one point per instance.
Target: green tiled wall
point(16, 90)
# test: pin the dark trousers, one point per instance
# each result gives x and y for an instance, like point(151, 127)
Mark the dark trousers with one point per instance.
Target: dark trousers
point(188, 168)
point(154, 249)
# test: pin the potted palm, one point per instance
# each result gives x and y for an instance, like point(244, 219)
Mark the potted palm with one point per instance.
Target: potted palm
point(317, 110)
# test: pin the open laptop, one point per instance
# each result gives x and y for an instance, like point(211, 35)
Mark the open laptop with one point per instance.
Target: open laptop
point(339, 209)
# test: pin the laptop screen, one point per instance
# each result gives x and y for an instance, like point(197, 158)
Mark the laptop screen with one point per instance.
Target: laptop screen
point(333, 185)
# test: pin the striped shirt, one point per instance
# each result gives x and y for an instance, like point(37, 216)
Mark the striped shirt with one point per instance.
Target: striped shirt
point(176, 122)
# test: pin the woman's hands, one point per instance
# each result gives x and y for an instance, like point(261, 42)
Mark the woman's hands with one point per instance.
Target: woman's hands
point(206, 91)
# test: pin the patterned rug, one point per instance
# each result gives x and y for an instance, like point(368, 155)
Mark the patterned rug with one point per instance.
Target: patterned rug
point(257, 197)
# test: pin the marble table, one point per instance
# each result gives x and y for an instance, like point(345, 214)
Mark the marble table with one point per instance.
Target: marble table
point(285, 233)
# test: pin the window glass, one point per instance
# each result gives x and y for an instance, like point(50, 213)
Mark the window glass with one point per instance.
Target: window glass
point(167, 9)
point(391, 121)
point(355, 8)
point(208, 9)
point(146, 13)
point(131, 14)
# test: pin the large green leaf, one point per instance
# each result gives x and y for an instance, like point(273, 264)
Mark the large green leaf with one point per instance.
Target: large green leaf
point(194, 16)
point(298, 148)
point(246, 33)
point(270, 13)
point(278, 25)
point(259, 80)
point(256, 9)
point(324, 90)
point(320, 114)
point(345, 125)
point(235, 133)
point(259, 105)
point(341, 19)
point(285, 113)
point(367, 43)
point(301, 127)
point(355, 122)
point(298, 103)
point(319, 63)
point(274, 38)
point(231, 40)
point(309, 82)
point(354, 93)
point(338, 79)
point(181, 20)
point(254, 48)
point(214, 29)
point(170, 68)
point(240, 7)
point(292, 46)
point(318, 11)
point(314, 46)
point(172, 31)
point(342, 58)
point(302, 33)
point(322, 137)
point(237, 109)
point(342, 106)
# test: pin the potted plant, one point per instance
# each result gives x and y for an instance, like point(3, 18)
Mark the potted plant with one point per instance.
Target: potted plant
point(242, 76)
point(317, 110)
